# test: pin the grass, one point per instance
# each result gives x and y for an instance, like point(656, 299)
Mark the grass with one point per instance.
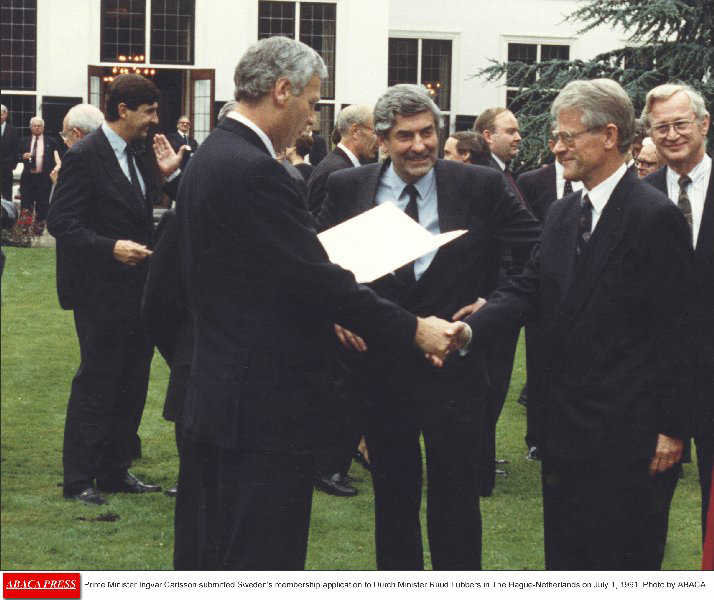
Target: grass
point(40, 530)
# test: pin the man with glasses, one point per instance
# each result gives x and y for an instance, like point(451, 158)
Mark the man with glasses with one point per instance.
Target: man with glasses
point(606, 287)
point(181, 139)
point(649, 159)
point(679, 122)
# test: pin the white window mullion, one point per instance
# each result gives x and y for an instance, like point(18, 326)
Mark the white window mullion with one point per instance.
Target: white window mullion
point(297, 21)
point(419, 61)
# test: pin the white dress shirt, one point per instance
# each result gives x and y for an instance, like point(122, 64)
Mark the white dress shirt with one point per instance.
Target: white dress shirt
point(119, 146)
point(696, 191)
point(234, 114)
point(601, 193)
point(350, 154)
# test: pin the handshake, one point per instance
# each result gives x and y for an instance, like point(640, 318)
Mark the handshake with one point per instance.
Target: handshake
point(436, 337)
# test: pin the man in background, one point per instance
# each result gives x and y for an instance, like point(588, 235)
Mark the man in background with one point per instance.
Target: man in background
point(649, 160)
point(467, 147)
point(181, 137)
point(37, 153)
point(8, 154)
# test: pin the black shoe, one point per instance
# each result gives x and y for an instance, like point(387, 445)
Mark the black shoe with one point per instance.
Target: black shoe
point(532, 453)
point(335, 486)
point(128, 484)
point(523, 398)
point(172, 491)
point(88, 496)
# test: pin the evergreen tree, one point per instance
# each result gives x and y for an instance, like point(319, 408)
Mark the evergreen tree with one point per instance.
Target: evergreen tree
point(669, 40)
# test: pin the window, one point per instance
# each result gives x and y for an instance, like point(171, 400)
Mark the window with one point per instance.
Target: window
point(313, 23)
point(172, 31)
point(21, 109)
point(123, 29)
point(18, 46)
point(422, 61)
point(327, 120)
point(529, 53)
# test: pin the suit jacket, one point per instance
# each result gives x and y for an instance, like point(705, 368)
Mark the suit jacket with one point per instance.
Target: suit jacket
point(48, 162)
point(469, 197)
point(614, 371)
point(317, 184)
point(93, 206)
point(702, 314)
point(177, 141)
point(318, 150)
point(9, 148)
point(539, 189)
point(263, 297)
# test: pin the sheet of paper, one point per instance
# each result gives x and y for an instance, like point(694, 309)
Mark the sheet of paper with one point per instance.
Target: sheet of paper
point(380, 240)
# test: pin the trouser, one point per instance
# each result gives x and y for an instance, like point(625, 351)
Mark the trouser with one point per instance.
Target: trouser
point(107, 398)
point(604, 516)
point(6, 183)
point(36, 197)
point(241, 511)
point(705, 455)
point(453, 513)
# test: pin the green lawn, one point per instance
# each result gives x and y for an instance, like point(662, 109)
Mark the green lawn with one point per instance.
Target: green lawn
point(41, 531)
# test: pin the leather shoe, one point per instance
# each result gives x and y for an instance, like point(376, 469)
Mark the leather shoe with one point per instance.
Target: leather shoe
point(89, 496)
point(532, 453)
point(335, 485)
point(172, 491)
point(128, 484)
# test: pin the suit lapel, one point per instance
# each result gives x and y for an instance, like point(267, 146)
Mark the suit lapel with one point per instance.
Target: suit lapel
point(115, 174)
point(705, 240)
point(605, 237)
point(367, 195)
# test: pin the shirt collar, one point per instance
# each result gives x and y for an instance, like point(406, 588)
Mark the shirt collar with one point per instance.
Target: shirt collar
point(601, 193)
point(424, 184)
point(117, 142)
point(499, 162)
point(234, 114)
point(350, 154)
point(181, 133)
point(700, 170)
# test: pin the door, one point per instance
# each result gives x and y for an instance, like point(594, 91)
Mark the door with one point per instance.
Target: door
point(202, 97)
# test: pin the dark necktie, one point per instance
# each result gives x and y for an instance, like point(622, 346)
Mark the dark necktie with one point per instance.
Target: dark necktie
point(136, 186)
point(585, 224)
point(33, 155)
point(683, 202)
point(568, 187)
point(405, 274)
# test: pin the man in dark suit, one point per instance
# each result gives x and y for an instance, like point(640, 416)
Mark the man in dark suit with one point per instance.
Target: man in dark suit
point(101, 215)
point(678, 122)
point(467, 147)
point(401, 390)
point(605, 287)
point(37, 154)
point(263, 298)
point(8, 154)
point(181, 139)
point(358, 145)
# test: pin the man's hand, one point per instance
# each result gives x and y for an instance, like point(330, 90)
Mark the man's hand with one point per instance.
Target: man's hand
point(667, 454)
point(351, 341)
point(437, 338)
point(54, 173)
point(166, 158)
point(26, 156)
point(469, 309)
point(130, 253)
point(362, 449)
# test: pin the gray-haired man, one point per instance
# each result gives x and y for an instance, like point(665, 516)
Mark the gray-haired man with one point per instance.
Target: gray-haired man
point(442, 196)
point(263, 298)
point(8, 154)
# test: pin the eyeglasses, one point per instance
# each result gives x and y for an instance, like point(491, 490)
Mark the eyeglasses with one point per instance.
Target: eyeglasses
point(682, 126)
point(645, 164)
point(568, 138)
point(184, 123)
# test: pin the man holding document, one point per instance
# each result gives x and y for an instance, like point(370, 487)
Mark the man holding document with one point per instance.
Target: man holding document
point(405, 395)
point(263, 298)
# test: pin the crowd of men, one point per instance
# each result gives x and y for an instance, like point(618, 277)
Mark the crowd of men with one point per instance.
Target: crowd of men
point(282, 365)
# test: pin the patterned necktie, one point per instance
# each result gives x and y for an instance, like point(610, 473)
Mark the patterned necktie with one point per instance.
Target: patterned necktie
point(512, 182)
point(683, 202)
point(134, 177)
point(405, 274)
point(585, 224)
point(568, 187)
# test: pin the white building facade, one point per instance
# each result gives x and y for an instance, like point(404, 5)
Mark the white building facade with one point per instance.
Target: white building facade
point(56, 53)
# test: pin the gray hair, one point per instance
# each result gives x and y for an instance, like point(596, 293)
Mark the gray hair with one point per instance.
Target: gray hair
point(270, 59)
point(85, 117)
point(3, 108)
point(666, 91)
point(601, 102)
point(403, 99)
point(36, 119)
point(355, 114)
point(226, 108)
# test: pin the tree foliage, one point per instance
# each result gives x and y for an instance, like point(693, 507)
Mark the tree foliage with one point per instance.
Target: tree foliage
point(668, 40)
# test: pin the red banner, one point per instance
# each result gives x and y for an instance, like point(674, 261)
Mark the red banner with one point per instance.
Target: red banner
point(40, 585)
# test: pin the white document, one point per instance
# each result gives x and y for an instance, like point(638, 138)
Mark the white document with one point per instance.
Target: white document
point(379, 241)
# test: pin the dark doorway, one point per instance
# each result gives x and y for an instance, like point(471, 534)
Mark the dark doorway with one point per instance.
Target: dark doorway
point(54, 108)
point(171, 84)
